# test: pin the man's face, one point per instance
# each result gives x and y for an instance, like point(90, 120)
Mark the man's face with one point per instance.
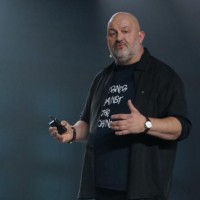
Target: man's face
point(123, 37)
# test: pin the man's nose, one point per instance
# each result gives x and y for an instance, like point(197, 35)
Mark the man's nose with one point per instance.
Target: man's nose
point(119, 36)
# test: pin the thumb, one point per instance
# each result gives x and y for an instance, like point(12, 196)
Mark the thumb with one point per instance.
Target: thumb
point(64, 123)
point(131, 106)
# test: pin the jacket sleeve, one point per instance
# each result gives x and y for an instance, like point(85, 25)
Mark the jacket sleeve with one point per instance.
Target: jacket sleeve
point(172, 97)
point(86, 112)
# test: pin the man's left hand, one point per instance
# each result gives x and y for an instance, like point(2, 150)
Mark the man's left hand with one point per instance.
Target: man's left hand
point(132, 123)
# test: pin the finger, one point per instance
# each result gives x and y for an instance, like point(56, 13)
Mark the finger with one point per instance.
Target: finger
point(121, 123)
point(58, 137)
point(123, 132)
point(132, 108)
point(53, 130)
point(54, 133)
point(119, 116)
point(64, 123)
point(118, 127)
point(115, 123)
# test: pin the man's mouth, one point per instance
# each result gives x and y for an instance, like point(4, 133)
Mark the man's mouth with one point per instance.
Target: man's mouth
point(120, 45)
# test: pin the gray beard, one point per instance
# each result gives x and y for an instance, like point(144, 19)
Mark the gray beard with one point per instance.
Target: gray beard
point(123, 57)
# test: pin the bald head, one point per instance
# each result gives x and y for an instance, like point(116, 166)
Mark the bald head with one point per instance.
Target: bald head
point(124, 16)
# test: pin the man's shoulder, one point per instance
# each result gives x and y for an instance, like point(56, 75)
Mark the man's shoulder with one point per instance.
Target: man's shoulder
point(161, 66)
point(163, 72)
point(106, 70)
point(103, 75)
point(156, 62)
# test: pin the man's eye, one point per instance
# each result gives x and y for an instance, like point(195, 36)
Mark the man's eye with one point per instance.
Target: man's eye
point(125, 32)
point(112, 33)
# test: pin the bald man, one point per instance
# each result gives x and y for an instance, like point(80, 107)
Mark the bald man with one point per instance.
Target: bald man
point(134, 116)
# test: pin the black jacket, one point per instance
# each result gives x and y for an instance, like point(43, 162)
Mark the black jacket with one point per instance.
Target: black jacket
point(159, 93)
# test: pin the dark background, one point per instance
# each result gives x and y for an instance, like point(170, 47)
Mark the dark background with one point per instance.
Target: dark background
point(50, 51)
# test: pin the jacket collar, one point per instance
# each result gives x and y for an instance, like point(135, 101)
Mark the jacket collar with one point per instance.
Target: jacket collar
point(145, 59)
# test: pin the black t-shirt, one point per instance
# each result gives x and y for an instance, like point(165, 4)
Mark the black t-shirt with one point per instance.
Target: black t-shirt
point(111, 151)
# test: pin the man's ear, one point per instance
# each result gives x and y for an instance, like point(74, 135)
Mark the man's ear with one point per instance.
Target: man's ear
point(141, 36)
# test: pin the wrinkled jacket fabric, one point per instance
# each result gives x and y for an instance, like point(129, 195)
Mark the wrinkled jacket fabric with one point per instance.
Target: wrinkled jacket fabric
point(159, 93)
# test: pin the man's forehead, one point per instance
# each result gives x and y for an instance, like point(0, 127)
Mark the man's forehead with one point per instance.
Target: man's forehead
point(120, 22)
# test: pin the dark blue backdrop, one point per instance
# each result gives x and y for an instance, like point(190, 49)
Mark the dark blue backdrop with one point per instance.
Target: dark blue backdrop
point(50, 52)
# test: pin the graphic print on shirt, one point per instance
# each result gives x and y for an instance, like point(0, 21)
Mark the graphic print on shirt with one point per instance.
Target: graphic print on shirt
point(112, 151)
point(114, 99)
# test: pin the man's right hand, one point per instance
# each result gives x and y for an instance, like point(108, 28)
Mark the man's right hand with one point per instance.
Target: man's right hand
point(65, 137)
